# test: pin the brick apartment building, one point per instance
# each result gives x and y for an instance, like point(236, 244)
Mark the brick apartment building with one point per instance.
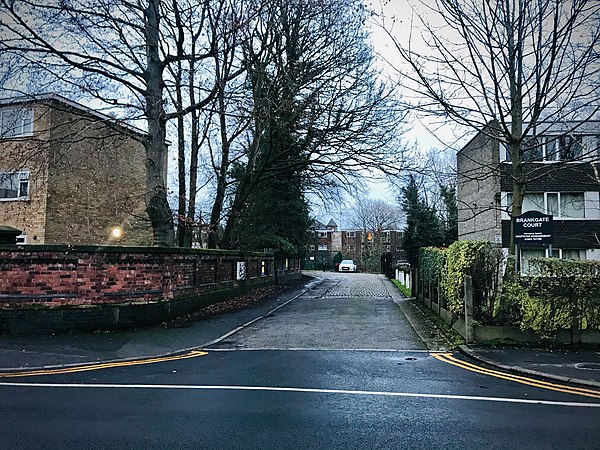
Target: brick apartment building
point(70, 175)
point(564, 174)
point(365, 247)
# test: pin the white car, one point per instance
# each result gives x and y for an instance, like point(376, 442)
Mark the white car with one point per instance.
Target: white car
point(347, 265)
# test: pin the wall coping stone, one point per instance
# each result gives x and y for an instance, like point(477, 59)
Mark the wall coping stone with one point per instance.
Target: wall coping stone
point(174, 251)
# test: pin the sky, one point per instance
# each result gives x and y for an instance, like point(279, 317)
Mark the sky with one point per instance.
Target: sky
point(395, 16)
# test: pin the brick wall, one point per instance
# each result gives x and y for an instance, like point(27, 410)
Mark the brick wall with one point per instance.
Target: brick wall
point(96, 182)
point(61, 288)
point(28, 153)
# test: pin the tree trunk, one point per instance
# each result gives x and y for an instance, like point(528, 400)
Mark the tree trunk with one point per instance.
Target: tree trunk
point(182, 223)
point(157, 205)
point(516, 114)
point(217, 209)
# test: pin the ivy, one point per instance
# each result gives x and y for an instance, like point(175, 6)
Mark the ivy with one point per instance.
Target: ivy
point(480, 259)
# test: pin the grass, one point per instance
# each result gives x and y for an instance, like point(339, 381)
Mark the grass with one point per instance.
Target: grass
point(452, 337)
point(403, 289)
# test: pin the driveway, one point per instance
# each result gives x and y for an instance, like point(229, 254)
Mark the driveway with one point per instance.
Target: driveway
point(347, 311)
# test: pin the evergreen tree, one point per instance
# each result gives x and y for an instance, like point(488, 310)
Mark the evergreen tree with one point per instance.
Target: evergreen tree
point(423, 226)
point(450, 214)
point(276, 217)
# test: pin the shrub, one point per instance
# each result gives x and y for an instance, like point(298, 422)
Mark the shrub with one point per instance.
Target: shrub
point(481, 260)
point(432, 264)
point(563, 293)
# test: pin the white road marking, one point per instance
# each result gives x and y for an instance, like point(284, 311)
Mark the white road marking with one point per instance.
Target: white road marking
point(301, 390)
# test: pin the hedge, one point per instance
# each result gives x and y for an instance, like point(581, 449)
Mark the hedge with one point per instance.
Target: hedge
point(561, 294)
point(480, 259)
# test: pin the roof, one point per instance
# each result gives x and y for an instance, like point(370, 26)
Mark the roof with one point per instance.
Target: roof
point(332, 224)
point(49, 98)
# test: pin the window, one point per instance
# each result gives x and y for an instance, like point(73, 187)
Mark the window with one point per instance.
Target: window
point(15, 122)
point(573, 254)
point(386, 236)
point(562, 148)
point(22, 239)
point(322, 234)
point(14, 185)
point(532, 149)
point(570, 147)
point(351, 233)
point(533, 202)
point(550, 149)
point(322, 246)
point(569, 205)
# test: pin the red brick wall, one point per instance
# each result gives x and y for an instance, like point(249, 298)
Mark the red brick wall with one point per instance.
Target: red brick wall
point(74, 276)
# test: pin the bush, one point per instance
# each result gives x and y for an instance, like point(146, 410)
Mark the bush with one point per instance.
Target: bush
point(562, 294)
point(481, 260)
point(432, 264)
point(512, 295)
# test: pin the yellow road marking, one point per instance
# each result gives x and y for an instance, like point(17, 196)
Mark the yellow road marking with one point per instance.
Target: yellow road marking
point(88, 367)
point(448, 358)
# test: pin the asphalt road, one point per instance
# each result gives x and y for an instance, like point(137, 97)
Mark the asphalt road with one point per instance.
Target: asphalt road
point(338, 368)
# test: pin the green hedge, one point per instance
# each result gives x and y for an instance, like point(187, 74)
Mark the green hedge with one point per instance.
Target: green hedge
point(480, 259)
point(561, 294)
point(558, 293)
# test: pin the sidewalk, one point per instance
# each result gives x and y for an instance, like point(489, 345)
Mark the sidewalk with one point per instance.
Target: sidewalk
point(566, 366)
point(35, 352)
point(563, 366)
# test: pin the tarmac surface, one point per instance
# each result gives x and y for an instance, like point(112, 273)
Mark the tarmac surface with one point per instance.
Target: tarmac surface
point(28, 352)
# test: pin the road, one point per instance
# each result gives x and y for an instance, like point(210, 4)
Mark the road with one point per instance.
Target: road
point(339, 367)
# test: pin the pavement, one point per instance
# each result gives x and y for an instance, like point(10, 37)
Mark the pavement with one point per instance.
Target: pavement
point(36, 352)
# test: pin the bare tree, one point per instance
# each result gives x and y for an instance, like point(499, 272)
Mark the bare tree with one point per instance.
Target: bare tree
point(318, 110)
point(120, 53)
point(373, 217)
point(512, 69)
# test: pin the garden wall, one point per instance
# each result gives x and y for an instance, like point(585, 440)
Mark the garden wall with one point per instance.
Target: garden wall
point(54, 289)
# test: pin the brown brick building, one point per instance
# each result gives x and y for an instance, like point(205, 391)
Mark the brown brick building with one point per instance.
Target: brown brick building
point(365, 247)
point(70, 175)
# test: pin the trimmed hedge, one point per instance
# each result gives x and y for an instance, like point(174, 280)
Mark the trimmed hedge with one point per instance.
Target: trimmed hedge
point(558, 294)
point(562, 294)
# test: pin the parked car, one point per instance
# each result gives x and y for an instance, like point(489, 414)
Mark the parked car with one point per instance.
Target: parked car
point(347, 265)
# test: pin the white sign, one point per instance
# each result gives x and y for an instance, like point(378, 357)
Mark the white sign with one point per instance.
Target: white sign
point(241, 270)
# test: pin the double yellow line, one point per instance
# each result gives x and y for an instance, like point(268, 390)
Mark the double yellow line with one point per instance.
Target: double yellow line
point(448, 358)
point(108, 365)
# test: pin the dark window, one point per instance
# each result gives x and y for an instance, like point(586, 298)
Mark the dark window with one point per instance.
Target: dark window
point(532, 149)
point(570, 147)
